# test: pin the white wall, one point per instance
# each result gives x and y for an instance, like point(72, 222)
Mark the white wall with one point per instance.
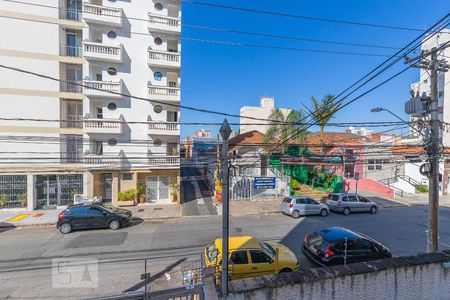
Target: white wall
point(443, 80)
point(40, 10)
point(256, 112)
point(404, 186)
point(135, 74)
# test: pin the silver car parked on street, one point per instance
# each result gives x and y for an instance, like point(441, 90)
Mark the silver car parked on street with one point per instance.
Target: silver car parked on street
point(297, 206)
point(346, 203)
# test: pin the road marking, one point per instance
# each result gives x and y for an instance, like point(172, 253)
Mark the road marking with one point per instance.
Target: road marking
point(18, 218)
point(38, 215)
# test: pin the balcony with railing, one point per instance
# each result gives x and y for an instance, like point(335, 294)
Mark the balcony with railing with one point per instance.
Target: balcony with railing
point(72, 14)
point(94, 160)
point(71, 86)
point(163, 128)
point(164, 59)
point(103, 89)
point(164, 24)
point(102, 52)
point(103, 126)
point(103, 15)
point(163, 93)
point(167, 161)
point(69, 50)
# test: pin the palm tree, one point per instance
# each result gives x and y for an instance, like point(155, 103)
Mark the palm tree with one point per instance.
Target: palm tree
point(282, 132)
point(323, 111)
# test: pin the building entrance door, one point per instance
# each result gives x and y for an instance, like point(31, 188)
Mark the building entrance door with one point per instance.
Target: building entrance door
point(107, 187)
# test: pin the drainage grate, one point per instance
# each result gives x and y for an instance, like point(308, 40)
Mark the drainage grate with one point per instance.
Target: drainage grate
point(158, 208)
point(140, 210)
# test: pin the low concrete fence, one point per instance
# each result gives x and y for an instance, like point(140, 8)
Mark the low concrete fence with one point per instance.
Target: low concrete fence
point(424, 276)
point(369, 186)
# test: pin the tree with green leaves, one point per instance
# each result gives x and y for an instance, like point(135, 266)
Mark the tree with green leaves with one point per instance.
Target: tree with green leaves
point(323, 111)
point(287, 129)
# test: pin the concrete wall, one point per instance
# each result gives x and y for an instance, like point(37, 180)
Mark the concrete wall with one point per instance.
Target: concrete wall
point(369, 186)
point(404, 186)
point(415, 277)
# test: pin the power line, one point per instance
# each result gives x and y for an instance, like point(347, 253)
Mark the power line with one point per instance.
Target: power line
point(160, 122)
point(239, 32)
point(254, 11)
point(285, 37)
point(282, 48)
point(408, 46)
point(281, 14)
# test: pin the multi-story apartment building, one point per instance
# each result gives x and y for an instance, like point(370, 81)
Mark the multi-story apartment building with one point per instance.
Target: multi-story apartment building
point(267, 106)
point(102, 128)
point(423, 87)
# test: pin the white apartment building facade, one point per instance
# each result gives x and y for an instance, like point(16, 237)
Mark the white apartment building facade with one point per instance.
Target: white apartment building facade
point(423, 87)
point(267, 105)
point(89, 141)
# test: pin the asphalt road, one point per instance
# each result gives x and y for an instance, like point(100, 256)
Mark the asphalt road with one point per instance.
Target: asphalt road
point(26, 254)
point(196, 194)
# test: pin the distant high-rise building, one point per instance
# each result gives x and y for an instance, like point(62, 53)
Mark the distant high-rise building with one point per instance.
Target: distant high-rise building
point(267, 106)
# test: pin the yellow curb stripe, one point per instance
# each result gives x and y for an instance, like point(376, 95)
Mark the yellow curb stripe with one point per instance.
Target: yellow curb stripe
point(18, 218)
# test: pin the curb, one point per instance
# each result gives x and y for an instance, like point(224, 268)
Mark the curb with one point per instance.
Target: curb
point(147, 219)
point(18, 226)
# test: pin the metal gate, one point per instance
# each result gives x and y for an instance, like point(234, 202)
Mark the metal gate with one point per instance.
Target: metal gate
point(57, 189)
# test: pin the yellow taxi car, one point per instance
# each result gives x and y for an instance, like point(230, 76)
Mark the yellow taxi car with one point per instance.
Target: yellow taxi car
point(249, 257)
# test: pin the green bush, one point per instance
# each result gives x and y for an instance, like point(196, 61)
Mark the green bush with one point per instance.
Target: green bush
point(4, 198)
point(22, 199)
point(421, 188)
point(127, 195)
point(141, 189)
point(295, 185)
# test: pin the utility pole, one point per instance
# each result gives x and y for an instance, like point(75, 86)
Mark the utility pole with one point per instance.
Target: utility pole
point(225, 132)
point(433, 156)
point(420, 107)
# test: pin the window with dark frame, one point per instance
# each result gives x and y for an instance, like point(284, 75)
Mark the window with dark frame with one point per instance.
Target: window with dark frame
point(239, 257)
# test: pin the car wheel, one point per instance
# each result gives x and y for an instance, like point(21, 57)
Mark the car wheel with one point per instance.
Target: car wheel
point(323, 212)
point(373, 210)
point(114, 225)
point(296, 214)
point(65, 228)
point(285, 270)
point(346, 211)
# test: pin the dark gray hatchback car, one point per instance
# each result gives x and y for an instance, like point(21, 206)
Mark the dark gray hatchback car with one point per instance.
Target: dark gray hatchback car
point(83, 216)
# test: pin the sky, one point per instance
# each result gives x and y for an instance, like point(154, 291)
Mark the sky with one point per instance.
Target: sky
point(225, 77)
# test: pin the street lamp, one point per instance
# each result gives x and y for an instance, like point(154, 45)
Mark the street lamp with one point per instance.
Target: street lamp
point(379, 109)
point(225, 132)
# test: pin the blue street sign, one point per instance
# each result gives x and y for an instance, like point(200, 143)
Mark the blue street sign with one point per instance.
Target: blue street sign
point(261, 183)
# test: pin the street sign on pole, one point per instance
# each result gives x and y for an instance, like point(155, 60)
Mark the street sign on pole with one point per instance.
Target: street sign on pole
point(264, 183)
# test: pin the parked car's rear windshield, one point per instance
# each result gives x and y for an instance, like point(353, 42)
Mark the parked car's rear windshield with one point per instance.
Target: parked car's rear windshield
point(333, 197)
point(211, 251)
point(318, 242)
point(76, 210)
point(287, 200)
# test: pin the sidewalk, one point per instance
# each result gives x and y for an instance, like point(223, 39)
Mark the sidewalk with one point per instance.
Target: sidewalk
point(37, 218)
point(29, 218)
point(422, 199)
point(410, 200)
point(249, 207)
